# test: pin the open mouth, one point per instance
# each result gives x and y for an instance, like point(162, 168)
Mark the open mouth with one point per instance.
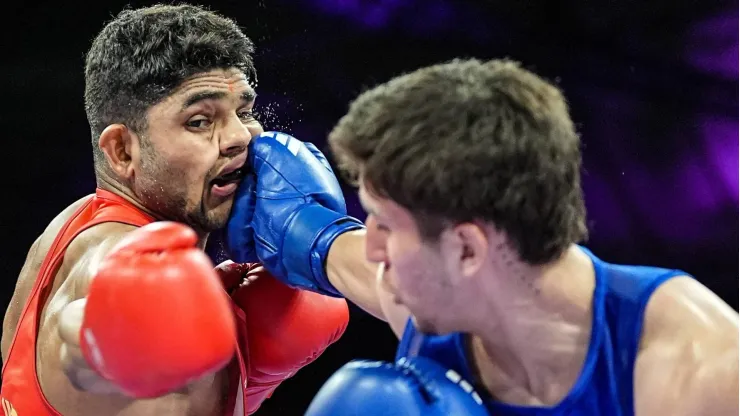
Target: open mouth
point(228, 178)
point(226, 184)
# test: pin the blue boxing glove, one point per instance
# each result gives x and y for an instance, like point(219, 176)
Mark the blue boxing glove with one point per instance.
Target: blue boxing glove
point(412, 387)
point(287, 212)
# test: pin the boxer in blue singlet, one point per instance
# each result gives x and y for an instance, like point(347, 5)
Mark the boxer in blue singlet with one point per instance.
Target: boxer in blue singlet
point(470, 174)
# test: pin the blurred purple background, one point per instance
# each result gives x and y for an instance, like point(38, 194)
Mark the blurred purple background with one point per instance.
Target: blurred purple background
point(653, 88)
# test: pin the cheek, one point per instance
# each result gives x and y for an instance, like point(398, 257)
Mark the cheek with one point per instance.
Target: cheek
point(196, 163)
point(407, 264)
point(421, 278)
point(397, 252)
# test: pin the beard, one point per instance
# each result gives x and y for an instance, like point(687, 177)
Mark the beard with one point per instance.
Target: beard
point(163, 190)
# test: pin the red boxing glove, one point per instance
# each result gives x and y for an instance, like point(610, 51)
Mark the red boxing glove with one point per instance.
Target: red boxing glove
point(287, 328)
point(156, 315)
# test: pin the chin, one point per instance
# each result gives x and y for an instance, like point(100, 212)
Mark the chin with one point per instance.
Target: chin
point(218, 217)
point(216, 222)
point(207, 222)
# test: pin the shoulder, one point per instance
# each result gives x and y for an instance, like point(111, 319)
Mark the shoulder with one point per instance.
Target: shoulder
point(87, 249)
point(688, 358)
point(683, 307)
point(66, 213)
point(47, 237)
point(39, 251)
point(95, 236)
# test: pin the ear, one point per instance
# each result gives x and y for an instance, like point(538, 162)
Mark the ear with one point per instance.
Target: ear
point(466, 246)
point(121, 149)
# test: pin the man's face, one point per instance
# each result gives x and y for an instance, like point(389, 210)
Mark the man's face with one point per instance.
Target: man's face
point(415, 271)
point(195, 136)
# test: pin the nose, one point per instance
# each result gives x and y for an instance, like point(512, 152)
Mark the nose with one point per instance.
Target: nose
point(375, 242)
point(235, 137)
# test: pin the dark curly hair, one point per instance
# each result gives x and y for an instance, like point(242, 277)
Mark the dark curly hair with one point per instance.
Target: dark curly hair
point(469, 140)
point(142, 55)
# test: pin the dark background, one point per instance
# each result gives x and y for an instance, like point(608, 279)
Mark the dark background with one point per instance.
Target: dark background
point(653, 87)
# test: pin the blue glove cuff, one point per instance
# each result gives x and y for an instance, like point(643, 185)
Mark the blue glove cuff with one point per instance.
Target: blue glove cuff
point(309, 235)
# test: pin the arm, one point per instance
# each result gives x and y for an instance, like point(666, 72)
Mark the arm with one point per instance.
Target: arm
point(135, 298)
point(58, 339)
point(351, 274)
point(688, 362)
point(355, 277)
point(305, 237)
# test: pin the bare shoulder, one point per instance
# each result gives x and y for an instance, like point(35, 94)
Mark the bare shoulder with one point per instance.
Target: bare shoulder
point(688, 358)
point(86, 251)
point(79, 264)
point(40, 247)
point(93, 237)
point(29, 272)
point(684, 307)
point(72, 280)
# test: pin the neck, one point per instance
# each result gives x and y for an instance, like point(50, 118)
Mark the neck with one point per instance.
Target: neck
point(536, 334)
point(125, 192)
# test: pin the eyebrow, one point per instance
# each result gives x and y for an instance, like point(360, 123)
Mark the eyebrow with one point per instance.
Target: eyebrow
point(247, 96)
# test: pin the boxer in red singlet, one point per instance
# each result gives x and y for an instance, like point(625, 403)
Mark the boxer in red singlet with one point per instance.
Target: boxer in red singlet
point(117, 310)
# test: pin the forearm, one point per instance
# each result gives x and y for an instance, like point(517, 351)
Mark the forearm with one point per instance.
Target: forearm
point(73, 364)
point(59, 338)
point(352, 274)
